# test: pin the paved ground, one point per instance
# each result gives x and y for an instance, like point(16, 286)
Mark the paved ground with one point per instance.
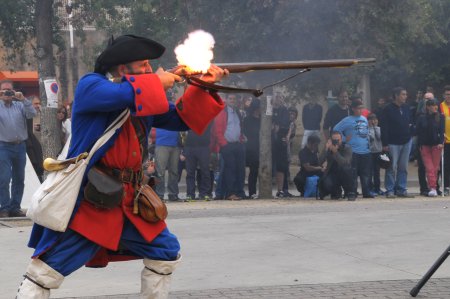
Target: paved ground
point(436, 288)
point(298, 248)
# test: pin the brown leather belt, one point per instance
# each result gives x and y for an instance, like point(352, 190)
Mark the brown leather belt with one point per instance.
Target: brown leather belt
point(126, 175)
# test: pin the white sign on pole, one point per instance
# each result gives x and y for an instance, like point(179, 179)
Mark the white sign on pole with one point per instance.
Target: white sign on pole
point(51, 90)
point(269, 108)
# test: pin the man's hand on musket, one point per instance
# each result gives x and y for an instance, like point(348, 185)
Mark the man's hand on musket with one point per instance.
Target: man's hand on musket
point(214, 74)
point(167, 79)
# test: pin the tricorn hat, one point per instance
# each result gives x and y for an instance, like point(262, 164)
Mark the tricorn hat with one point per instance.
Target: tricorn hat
point(125, 49)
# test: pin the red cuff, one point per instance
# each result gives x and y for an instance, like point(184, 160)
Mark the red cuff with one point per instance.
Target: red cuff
point(197, 108)
point(149, 95)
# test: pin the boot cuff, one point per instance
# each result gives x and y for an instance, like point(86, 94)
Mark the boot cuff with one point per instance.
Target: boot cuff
point(44, 275)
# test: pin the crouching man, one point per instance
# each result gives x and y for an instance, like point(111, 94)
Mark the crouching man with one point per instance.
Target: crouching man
point(338, 173)
point(123, 79)
point(309, 163)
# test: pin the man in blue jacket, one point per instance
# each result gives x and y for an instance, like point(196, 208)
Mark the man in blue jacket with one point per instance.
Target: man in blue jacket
point(396, 128)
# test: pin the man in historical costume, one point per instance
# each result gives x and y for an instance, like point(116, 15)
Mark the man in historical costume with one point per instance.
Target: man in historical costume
point(96, 236)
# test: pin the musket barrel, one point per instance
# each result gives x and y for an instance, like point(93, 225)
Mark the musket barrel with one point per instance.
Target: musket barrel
point(242, 67)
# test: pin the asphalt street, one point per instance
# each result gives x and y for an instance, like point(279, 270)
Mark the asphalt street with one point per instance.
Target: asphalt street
point(290, 248)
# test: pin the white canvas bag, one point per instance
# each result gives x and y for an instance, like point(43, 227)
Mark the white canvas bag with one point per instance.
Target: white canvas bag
point(53, 202)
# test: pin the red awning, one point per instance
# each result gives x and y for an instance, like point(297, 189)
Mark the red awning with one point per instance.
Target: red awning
point(19, 76)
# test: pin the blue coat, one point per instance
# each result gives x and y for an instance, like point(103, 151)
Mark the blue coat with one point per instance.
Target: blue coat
point(96, 105)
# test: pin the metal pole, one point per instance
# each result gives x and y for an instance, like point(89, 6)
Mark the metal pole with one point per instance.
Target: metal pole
point(69, 3)
point(442, 173)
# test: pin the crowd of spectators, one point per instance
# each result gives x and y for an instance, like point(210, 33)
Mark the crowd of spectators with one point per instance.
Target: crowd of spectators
point(343, 162)
point(352, 143)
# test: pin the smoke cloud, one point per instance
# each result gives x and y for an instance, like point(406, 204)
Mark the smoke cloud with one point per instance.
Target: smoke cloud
point(197, 51)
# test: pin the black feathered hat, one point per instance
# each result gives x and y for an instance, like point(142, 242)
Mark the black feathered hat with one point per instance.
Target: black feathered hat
point(125, 49)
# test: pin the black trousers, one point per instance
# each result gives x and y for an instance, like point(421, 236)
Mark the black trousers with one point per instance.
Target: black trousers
point(333, 182)
point(197, 156)
point(374, 182)
point(361, 164)
point(447, 165)
point(234, 168)
point(253, 166)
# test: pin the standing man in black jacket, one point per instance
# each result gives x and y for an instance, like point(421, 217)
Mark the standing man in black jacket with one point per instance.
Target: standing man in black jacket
point(197, 153)
point(396, 128)
point(280, 141)
point(336, 113)
point(252, 126)
point(311, 118)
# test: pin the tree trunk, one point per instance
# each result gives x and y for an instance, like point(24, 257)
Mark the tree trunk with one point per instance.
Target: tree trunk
point(265, 152)
point(50, 126)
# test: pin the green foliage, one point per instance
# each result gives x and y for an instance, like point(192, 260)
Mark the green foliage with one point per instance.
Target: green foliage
point(16, 26)
point(409, 38)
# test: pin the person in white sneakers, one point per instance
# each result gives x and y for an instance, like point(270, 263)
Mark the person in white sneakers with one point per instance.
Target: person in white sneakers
point(430, 138)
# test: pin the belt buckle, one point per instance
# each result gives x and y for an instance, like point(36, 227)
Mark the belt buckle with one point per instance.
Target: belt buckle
point(140, 175)
point(131, 175)
point(123, 177)
point(126, 176)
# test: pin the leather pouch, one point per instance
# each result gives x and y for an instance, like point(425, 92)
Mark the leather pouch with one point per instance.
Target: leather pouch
point(148, 205)
point(103, 190)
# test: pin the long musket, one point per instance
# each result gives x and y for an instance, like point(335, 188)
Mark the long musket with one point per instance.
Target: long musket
point(304, 65)
point(242, 67)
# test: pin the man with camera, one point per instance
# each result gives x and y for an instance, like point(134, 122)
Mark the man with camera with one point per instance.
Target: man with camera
point(15, 109)
point(338, 173)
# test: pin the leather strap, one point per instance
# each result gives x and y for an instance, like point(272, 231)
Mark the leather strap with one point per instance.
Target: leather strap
point(157, 272)
point(35, 282)
point(142, 136)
